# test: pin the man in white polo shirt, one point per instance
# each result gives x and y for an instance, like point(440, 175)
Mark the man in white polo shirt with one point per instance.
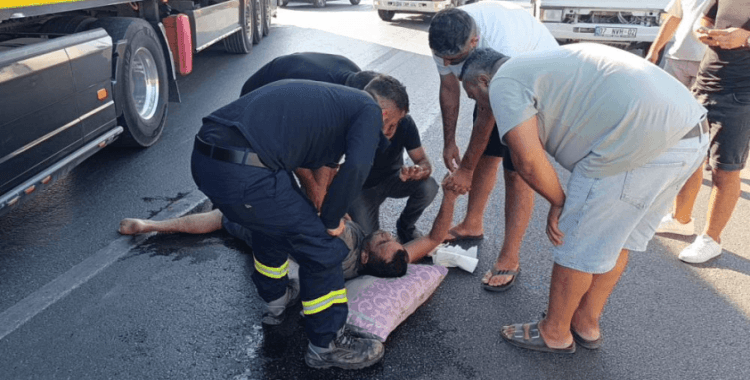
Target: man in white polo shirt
point(600, 113)
point(454, 33)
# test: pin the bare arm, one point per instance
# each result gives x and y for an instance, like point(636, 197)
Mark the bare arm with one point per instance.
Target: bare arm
point(460, 180)
point(421, 169)
point(665, 34)
point(450, 96)
point(530, 160)
point(422, 247)
point(314, 190)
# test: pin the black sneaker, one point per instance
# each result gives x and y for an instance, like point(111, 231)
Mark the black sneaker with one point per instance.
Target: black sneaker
point(347, 352)
point(275, 315)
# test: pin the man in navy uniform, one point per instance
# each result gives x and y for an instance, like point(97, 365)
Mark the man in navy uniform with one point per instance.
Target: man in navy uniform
point(243, 161)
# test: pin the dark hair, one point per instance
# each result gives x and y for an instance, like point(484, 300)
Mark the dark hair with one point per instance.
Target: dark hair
point(377, 266)
point(361, 79)
point(450, 30)
point(388, 87)
point(480, 61)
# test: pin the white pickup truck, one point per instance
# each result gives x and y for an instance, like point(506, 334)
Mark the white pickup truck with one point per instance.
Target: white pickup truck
point(629, 24)
point(388, 8)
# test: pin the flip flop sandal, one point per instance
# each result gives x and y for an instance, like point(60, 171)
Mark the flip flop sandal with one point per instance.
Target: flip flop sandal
point(504, 286)
point(527, 336)
point(585, 343)
point(455, 238)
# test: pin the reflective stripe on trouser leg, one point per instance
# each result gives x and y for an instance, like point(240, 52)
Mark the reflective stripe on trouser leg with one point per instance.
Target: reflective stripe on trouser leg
point(322, 303)
point(276, 273)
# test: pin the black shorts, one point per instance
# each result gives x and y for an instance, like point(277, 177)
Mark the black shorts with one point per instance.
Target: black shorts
point(495, 148)
point(729, 121)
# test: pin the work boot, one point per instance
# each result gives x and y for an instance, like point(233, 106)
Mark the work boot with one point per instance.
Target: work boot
point(346, 351)
point(406, 235)
point(276, 310)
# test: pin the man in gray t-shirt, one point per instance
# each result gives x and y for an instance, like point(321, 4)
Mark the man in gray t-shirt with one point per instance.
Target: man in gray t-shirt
point(629, 133)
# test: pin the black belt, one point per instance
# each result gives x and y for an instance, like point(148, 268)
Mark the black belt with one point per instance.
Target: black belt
point(235, 156)
point(701, 127)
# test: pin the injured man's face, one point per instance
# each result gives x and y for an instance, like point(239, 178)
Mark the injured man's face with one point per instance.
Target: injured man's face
point(383, 256)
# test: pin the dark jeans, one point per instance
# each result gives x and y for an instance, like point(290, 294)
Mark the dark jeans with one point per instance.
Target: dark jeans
point(366, 208)
point(282, 222)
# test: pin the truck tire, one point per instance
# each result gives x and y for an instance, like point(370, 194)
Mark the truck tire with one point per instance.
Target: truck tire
point(319, 3)
point(141, 89)
point(354, 2)
point(386, 15)
point(241, 42)
point(258, 14)
point(67, 24)
point(267, 17)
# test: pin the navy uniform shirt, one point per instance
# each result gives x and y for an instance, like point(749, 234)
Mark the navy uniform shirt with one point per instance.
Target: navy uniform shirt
point(319, 67)
point(299, 123)
point(389, 161)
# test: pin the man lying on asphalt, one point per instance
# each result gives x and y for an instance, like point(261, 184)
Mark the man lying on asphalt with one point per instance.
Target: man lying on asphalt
point(630, 134)
point(243, 161)
point(377, 254)
point(389, 177)
point(454, 33)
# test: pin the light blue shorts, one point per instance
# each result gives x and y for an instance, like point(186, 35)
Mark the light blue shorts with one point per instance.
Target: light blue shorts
point(602, 216)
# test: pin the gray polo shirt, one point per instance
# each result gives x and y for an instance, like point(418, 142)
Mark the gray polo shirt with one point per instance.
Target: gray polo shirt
point(599, 108)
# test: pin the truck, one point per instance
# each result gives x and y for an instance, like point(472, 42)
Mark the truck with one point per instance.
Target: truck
point(388, 8)
point(79, 75)
point(628, 24)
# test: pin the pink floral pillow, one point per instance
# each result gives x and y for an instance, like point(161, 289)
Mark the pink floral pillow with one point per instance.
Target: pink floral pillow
point(378, 305)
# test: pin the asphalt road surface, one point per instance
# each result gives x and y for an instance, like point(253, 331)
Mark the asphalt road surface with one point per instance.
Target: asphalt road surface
point(78, 301)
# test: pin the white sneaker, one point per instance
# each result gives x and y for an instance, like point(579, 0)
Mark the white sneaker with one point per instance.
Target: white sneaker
point(670, 225)
point(703, 249)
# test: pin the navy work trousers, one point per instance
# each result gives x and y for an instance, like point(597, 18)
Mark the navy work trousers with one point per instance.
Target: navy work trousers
point(283, 222)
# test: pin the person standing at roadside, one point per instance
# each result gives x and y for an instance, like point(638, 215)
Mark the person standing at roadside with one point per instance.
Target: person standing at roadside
point(454, 33)
point(684, 57)
point(723, 87)
point(600, 113)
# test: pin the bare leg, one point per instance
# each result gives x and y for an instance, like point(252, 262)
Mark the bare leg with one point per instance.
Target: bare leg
point(580, 295)
point(482, 184)
point(190, 224)
point(685, 200)
point(724, 196)
point(519, 205)
point(585, 321)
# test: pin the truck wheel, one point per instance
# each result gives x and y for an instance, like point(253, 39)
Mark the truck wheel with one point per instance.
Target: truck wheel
point(242, 41)
point(354, 2)
point(141, 90)
point(319, 3)
point(267, 17)
point(386, 15)
point(67, 24)
point(258, 14)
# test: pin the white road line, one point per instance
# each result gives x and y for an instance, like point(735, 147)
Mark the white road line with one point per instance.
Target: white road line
point(20, 313)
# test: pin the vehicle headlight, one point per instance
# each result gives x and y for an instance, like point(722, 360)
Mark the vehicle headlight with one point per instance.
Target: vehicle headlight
point(551, 15)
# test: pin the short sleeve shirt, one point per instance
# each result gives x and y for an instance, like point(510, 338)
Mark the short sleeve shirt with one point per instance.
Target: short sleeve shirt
point(726, 71)
point(354, 237)
point(506, 28)
point(390, 160)
point(599, 108)
point(686, 45)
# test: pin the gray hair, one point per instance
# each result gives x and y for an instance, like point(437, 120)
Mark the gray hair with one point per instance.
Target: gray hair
point(480, 61)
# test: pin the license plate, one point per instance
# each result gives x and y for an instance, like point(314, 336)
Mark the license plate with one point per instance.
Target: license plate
point(601, 31)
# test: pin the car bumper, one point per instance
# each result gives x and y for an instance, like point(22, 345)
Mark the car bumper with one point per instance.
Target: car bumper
point(588, 32)
point(411, 6)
